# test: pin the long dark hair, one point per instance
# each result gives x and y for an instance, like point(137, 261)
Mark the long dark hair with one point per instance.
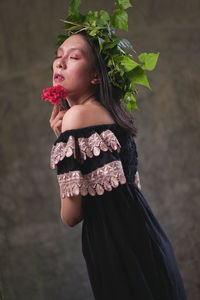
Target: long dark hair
point(109, 95)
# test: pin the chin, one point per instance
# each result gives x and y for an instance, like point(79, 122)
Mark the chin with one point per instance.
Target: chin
point(57, 83)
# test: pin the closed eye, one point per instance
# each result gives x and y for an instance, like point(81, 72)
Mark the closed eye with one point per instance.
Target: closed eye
point(72, 57)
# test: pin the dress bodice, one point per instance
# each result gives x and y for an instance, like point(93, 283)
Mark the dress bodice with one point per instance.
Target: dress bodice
point(93, 159)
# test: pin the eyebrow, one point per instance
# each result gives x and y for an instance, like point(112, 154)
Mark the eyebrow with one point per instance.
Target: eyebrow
point(73, 48)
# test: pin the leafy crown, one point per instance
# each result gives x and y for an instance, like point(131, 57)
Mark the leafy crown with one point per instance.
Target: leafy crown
point(124, 71)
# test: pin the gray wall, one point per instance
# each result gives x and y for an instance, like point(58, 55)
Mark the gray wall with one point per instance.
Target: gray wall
point(40, 257)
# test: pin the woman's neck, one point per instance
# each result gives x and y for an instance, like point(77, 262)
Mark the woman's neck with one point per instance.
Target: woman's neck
point(85, 100)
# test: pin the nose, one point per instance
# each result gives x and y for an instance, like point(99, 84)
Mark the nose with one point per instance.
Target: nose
point(60, 64)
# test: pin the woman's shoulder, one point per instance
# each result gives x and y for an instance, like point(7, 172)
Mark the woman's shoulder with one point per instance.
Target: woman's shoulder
point(85, 115)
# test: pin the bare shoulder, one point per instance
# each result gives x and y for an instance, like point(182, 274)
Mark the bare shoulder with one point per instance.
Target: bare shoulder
point(79, 116)
point(73, 118)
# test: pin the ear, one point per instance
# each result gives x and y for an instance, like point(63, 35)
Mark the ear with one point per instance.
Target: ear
point(95, 78)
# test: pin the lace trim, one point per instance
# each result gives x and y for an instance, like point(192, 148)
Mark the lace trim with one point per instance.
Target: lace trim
point(61, 150)
point(91, 146)
point(107, 177)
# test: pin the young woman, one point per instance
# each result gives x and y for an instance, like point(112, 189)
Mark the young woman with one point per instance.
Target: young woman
point(127, 253)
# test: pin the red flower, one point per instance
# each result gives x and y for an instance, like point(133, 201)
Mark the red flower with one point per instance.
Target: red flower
point(54, 94)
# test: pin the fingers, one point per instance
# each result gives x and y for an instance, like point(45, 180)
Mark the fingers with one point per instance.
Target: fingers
point(57, 128)
point(59, 117)
point(62, 108)
point(54, 112)
point(56, 124)
point(56, 119)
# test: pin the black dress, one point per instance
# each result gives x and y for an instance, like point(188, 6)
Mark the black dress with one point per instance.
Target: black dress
point(127, 253)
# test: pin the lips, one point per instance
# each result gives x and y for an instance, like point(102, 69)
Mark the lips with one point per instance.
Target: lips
point(58, 77)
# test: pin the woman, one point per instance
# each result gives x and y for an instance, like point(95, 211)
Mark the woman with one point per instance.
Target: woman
point(127, 253)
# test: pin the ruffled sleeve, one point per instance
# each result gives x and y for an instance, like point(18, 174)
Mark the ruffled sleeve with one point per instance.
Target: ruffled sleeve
point(87, 162)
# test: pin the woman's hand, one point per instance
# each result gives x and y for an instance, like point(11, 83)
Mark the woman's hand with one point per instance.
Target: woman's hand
point(56, 118)
point(137, 180)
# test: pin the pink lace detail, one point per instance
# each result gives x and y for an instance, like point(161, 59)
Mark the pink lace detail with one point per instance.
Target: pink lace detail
point(105, 178)
point(96, 143)
point(91, 146)
point(61, 150)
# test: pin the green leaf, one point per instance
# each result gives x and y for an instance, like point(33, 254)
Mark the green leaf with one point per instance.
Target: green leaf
point(89, 15)
point(120, 19)
point(131, 104)
point(96, 14)
point(101, 42)
point(91, 18)
point(128, 105)
point(133, 100)
point(110, 62)
point(73, 8)
point(138, 76)
point(110, 45)
point(127, 96)
point(149, 60)
point(123, 4)
point(125, 61)
point(104, 17)
point(93, 32)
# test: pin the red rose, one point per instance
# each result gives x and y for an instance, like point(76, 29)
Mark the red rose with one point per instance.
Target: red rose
point(54, 94)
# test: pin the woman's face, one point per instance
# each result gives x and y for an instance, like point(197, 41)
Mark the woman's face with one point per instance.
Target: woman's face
point(73, 66)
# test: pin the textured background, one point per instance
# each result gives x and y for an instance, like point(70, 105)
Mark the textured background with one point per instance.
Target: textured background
point(40, 257)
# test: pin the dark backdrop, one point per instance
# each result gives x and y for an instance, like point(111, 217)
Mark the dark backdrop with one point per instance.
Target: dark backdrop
point(40, 257)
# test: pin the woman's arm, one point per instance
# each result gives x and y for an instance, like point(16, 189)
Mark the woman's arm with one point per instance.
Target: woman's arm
point(71, 210)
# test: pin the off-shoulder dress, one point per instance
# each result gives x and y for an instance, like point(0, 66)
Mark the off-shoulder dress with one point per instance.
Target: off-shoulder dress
point(127, 253)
